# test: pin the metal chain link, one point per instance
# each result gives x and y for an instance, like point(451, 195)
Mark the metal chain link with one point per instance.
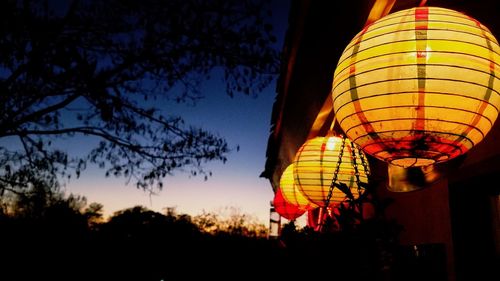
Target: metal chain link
point(355, 164)
point(335, 173)
point(356, 203)
point(364, 162)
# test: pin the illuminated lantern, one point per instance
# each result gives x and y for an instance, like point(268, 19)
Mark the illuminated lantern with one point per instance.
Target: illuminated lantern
point(290, 191)
point(285, 209)
point(317, 164)
point(419, 86)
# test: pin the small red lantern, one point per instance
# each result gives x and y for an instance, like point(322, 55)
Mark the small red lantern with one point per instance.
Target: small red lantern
point(285, 209)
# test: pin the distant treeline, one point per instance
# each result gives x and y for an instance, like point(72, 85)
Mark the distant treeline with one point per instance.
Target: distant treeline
point(50, 236)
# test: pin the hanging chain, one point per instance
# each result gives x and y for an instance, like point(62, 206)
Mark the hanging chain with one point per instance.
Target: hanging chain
point(364, 162)
point(353, 204)
point(355, 164)
point(335, 173)
point(366, 170)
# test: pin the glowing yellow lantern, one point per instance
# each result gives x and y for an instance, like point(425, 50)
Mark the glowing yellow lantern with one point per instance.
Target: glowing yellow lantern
point(323, 160)
point(290, 191)
point(419, 86)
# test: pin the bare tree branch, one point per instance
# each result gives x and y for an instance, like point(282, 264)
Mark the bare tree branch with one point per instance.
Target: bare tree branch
point(105, 58)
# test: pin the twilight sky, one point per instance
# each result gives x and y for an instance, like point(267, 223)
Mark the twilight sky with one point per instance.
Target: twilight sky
point(242, 120)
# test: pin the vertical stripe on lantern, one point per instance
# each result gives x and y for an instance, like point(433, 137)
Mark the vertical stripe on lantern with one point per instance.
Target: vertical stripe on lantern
point(421, 20)
point(321, 158)
point(354, 92)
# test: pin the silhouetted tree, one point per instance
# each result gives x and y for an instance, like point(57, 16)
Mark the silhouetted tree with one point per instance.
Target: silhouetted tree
point(46, 216)
point(134, 244)
point(94, 214)
point(207, 222)
point(37, 226)
point(134, 223)
point(140, 223)
point(231, 221)
point(94, 68)
point(42, 202)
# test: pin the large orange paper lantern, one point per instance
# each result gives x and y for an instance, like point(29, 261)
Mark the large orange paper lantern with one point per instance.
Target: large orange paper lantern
point(317, 164)
point(419, 86)
point(291, 192)
point(285, 209)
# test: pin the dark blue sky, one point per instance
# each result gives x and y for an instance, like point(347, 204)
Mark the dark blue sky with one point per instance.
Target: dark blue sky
point(242, 120)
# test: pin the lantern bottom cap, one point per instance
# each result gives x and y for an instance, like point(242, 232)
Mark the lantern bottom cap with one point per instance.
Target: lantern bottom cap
point(412, 178)
point(412, 162)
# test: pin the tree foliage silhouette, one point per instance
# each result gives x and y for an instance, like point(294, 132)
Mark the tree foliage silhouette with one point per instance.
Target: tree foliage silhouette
point(230, 221)
point(133, 244)
point(95, 68)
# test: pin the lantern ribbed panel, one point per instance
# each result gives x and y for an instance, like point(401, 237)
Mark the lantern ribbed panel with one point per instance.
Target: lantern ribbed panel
point(285, 209)
point(418, 86)
point(290, 191)
point(314, 167)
